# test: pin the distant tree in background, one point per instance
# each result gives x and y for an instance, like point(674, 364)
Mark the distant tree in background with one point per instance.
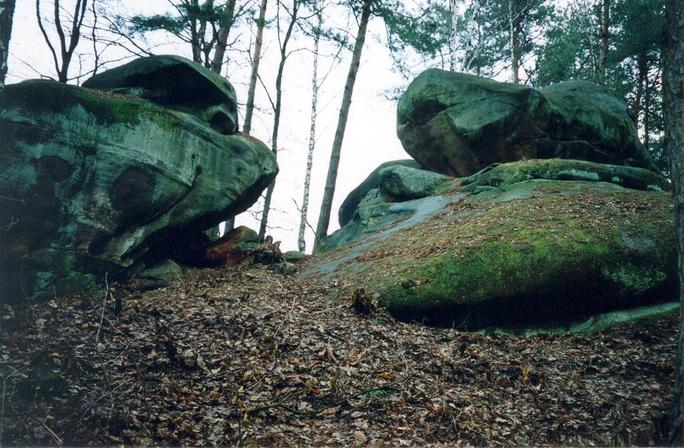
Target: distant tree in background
point(251, 90)
point(489, 36)
point(67, 40)
point(205, 27)
point(6, 15)
point(293, 16)
point(573, 50)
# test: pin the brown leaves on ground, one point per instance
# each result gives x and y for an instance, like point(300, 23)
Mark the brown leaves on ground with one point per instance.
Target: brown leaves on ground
point(250, 357)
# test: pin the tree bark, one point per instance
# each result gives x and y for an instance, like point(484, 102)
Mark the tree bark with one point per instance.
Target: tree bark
point(222, 40)
point(642, 69)
point(249, 109)
point(276, 114)
point(603, 52)
point(6, 16)
point(193, 12)
point(301, 240)
point(673, 108)
point(329, 192)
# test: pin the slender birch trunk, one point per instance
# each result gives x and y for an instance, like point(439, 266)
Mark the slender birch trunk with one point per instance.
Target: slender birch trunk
point(513, 29)
point(453, 35)
point(301, 240)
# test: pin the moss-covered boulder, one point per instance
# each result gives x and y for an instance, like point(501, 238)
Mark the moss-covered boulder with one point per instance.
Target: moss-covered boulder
point(457, 124)
point(95, 183)
point(175, 83)
point(501, 175)
point(526, 253)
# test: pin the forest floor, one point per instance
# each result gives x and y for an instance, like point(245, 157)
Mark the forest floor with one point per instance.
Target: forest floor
point(249, 357)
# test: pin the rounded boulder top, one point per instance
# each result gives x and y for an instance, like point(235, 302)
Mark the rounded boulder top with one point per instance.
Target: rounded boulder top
point(176, 83)
point(457, 124)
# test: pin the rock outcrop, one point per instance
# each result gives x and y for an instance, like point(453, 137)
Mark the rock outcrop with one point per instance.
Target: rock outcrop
point(351, 202)
point(457, 124)
point(97, 183)
point(175, 83)
point(537, 242)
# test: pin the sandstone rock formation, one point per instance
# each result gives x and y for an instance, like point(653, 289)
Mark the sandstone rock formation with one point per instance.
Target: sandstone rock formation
point(536, 242)
point(457, 124)
point(96, 183)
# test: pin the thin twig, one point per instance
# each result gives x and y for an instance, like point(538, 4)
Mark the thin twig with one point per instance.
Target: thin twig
point(104, 306)
point(59, 441)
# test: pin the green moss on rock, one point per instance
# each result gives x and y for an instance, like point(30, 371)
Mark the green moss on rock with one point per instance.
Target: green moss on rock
point(537, 252)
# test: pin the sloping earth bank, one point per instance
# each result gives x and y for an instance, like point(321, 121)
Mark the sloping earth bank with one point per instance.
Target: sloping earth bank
point(251, 357)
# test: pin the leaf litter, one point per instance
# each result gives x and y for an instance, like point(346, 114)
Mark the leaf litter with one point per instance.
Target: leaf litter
point(248, 356)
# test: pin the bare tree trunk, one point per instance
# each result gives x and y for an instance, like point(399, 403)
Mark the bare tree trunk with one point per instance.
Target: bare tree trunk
point(329, 192)
point(301, 240)
point(603, 54)
point(277, 109)
point(249, 109)
point(193, 12)
point(641, 74)
point(6, 15)
point(66, 50)
point(673, 102)
point(222, 40)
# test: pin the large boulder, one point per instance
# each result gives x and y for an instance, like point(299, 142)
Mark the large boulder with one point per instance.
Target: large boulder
point(391, 182)
point(457, 124)
point(527, 250)
point(175, 83)
point(351, 202)
point(95, 183)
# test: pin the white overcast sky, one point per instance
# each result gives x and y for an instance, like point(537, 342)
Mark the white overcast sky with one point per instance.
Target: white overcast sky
point(370, 137)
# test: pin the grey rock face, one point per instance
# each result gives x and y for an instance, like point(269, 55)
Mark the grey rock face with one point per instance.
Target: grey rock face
point(175, 83)
point(457, 124)
point(351, 202)
point(94, 183)
point(536, 243)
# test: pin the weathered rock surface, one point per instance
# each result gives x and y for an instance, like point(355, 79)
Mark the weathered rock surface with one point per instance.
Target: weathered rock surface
point(500, 175)
point(391, 182)
point(404, 183)
point(457, 124)
point(175, 83)
point(527, 252)
point(351, 202)
point(94, 183)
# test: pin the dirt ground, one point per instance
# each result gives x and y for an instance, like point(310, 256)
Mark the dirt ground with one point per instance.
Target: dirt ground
point(247, 356)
